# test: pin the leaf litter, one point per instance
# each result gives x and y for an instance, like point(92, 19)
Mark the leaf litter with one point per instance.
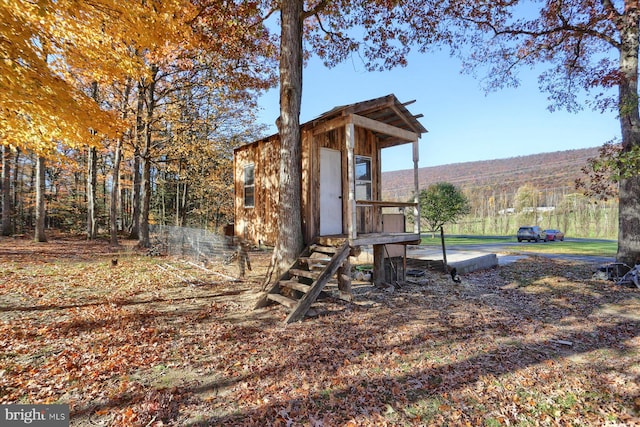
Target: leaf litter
point(131, 345)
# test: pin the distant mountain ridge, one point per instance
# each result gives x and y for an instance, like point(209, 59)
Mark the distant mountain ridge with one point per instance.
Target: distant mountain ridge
point(546, 171)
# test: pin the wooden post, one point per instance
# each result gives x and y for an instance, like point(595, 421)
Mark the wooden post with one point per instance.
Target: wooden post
point(378, 265)
point(351, 203)
point(243, 257)
point(416, 183)
point(344, 281)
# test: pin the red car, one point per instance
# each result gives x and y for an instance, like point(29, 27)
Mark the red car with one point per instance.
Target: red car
point(553, 235)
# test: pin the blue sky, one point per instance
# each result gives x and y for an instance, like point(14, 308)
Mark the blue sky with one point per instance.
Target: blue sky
point(464, 124)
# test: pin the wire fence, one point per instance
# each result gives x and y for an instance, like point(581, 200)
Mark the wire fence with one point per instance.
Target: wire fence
point(195, 243)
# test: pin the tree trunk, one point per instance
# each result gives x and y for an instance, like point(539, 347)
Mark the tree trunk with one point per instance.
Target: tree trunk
point(92, 182)
point(629, 201)
point(289, 242)
point(179, 217)
point(6, 192)
point(183, 204)
point(135, 194)
point(145, 199)
point(17, 187)
point(117, 159)
point(145, 184)
point(629, 221)
point(115, 192)
point(134, 232)
point(40, 202)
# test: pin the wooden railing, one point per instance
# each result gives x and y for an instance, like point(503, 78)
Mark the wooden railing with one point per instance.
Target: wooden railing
point(375, 220)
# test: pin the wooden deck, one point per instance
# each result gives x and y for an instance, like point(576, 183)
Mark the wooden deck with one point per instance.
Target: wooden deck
point(373, 239)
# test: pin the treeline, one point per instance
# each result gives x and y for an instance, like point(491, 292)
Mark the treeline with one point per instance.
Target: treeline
point(502, 213)
point(117, 115)
point(528, 190)
point(182, 171)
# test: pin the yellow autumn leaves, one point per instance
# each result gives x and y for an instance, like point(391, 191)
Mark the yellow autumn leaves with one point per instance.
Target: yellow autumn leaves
point(52, 51)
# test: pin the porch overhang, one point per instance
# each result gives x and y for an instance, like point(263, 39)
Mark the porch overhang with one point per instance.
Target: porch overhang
point(393, 135)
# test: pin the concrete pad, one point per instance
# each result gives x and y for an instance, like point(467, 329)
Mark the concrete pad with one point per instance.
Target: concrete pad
point(463, 260)
point(481, 262)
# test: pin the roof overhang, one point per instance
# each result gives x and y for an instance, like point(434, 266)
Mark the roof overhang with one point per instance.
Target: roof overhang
point(386, 117)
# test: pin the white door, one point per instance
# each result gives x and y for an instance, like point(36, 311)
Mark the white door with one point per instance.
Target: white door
point(330, 192)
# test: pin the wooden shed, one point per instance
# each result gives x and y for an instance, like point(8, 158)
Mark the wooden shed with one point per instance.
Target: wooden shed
point(341, 180)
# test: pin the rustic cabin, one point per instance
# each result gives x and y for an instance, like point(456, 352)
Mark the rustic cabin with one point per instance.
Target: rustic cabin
point(341, 203)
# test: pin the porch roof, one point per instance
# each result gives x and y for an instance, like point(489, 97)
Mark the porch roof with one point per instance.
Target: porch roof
point(387, 110)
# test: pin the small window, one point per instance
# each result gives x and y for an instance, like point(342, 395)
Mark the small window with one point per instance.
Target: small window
point(363, 178)
point(249, 187)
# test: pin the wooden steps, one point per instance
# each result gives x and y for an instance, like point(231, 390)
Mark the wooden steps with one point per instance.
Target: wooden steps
point(296, 272)
point(291, 284)
point(299, 287)
point(286, 301)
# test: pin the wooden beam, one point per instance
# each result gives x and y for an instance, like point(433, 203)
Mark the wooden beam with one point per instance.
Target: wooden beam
point(330, 125)
point(376, 126)
point(386, 239)
point(385, 204)
point(404, 119)
point(392, 142)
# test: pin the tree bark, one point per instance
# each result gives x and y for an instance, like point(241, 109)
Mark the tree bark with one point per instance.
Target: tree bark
point(117, 159)
point(289, 242)
point(135, 194)
point(40, 201)
point(134, 232)
point(16, 204)
point(115, 193)
point(7, 227)
point(145, 160)
point(92, 181)
point(629, 196)
point(145, 199)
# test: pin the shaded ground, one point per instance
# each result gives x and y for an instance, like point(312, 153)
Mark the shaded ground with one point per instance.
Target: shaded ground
point(159, 341)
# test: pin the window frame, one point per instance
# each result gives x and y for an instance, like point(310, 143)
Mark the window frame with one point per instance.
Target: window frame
point(251, 186)
point(366, 183)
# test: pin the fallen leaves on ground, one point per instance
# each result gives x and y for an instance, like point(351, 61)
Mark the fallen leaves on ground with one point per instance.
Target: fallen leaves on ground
point(133, 345)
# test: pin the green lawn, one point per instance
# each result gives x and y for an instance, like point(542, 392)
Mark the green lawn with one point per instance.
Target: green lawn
point(464, 240)
point(596, 248)
point(582, 247)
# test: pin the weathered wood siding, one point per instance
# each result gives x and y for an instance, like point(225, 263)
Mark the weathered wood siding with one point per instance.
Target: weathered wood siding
point(258, 224)
point(365, 145)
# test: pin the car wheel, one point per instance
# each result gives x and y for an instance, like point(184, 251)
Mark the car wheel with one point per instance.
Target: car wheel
point(519, 240)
